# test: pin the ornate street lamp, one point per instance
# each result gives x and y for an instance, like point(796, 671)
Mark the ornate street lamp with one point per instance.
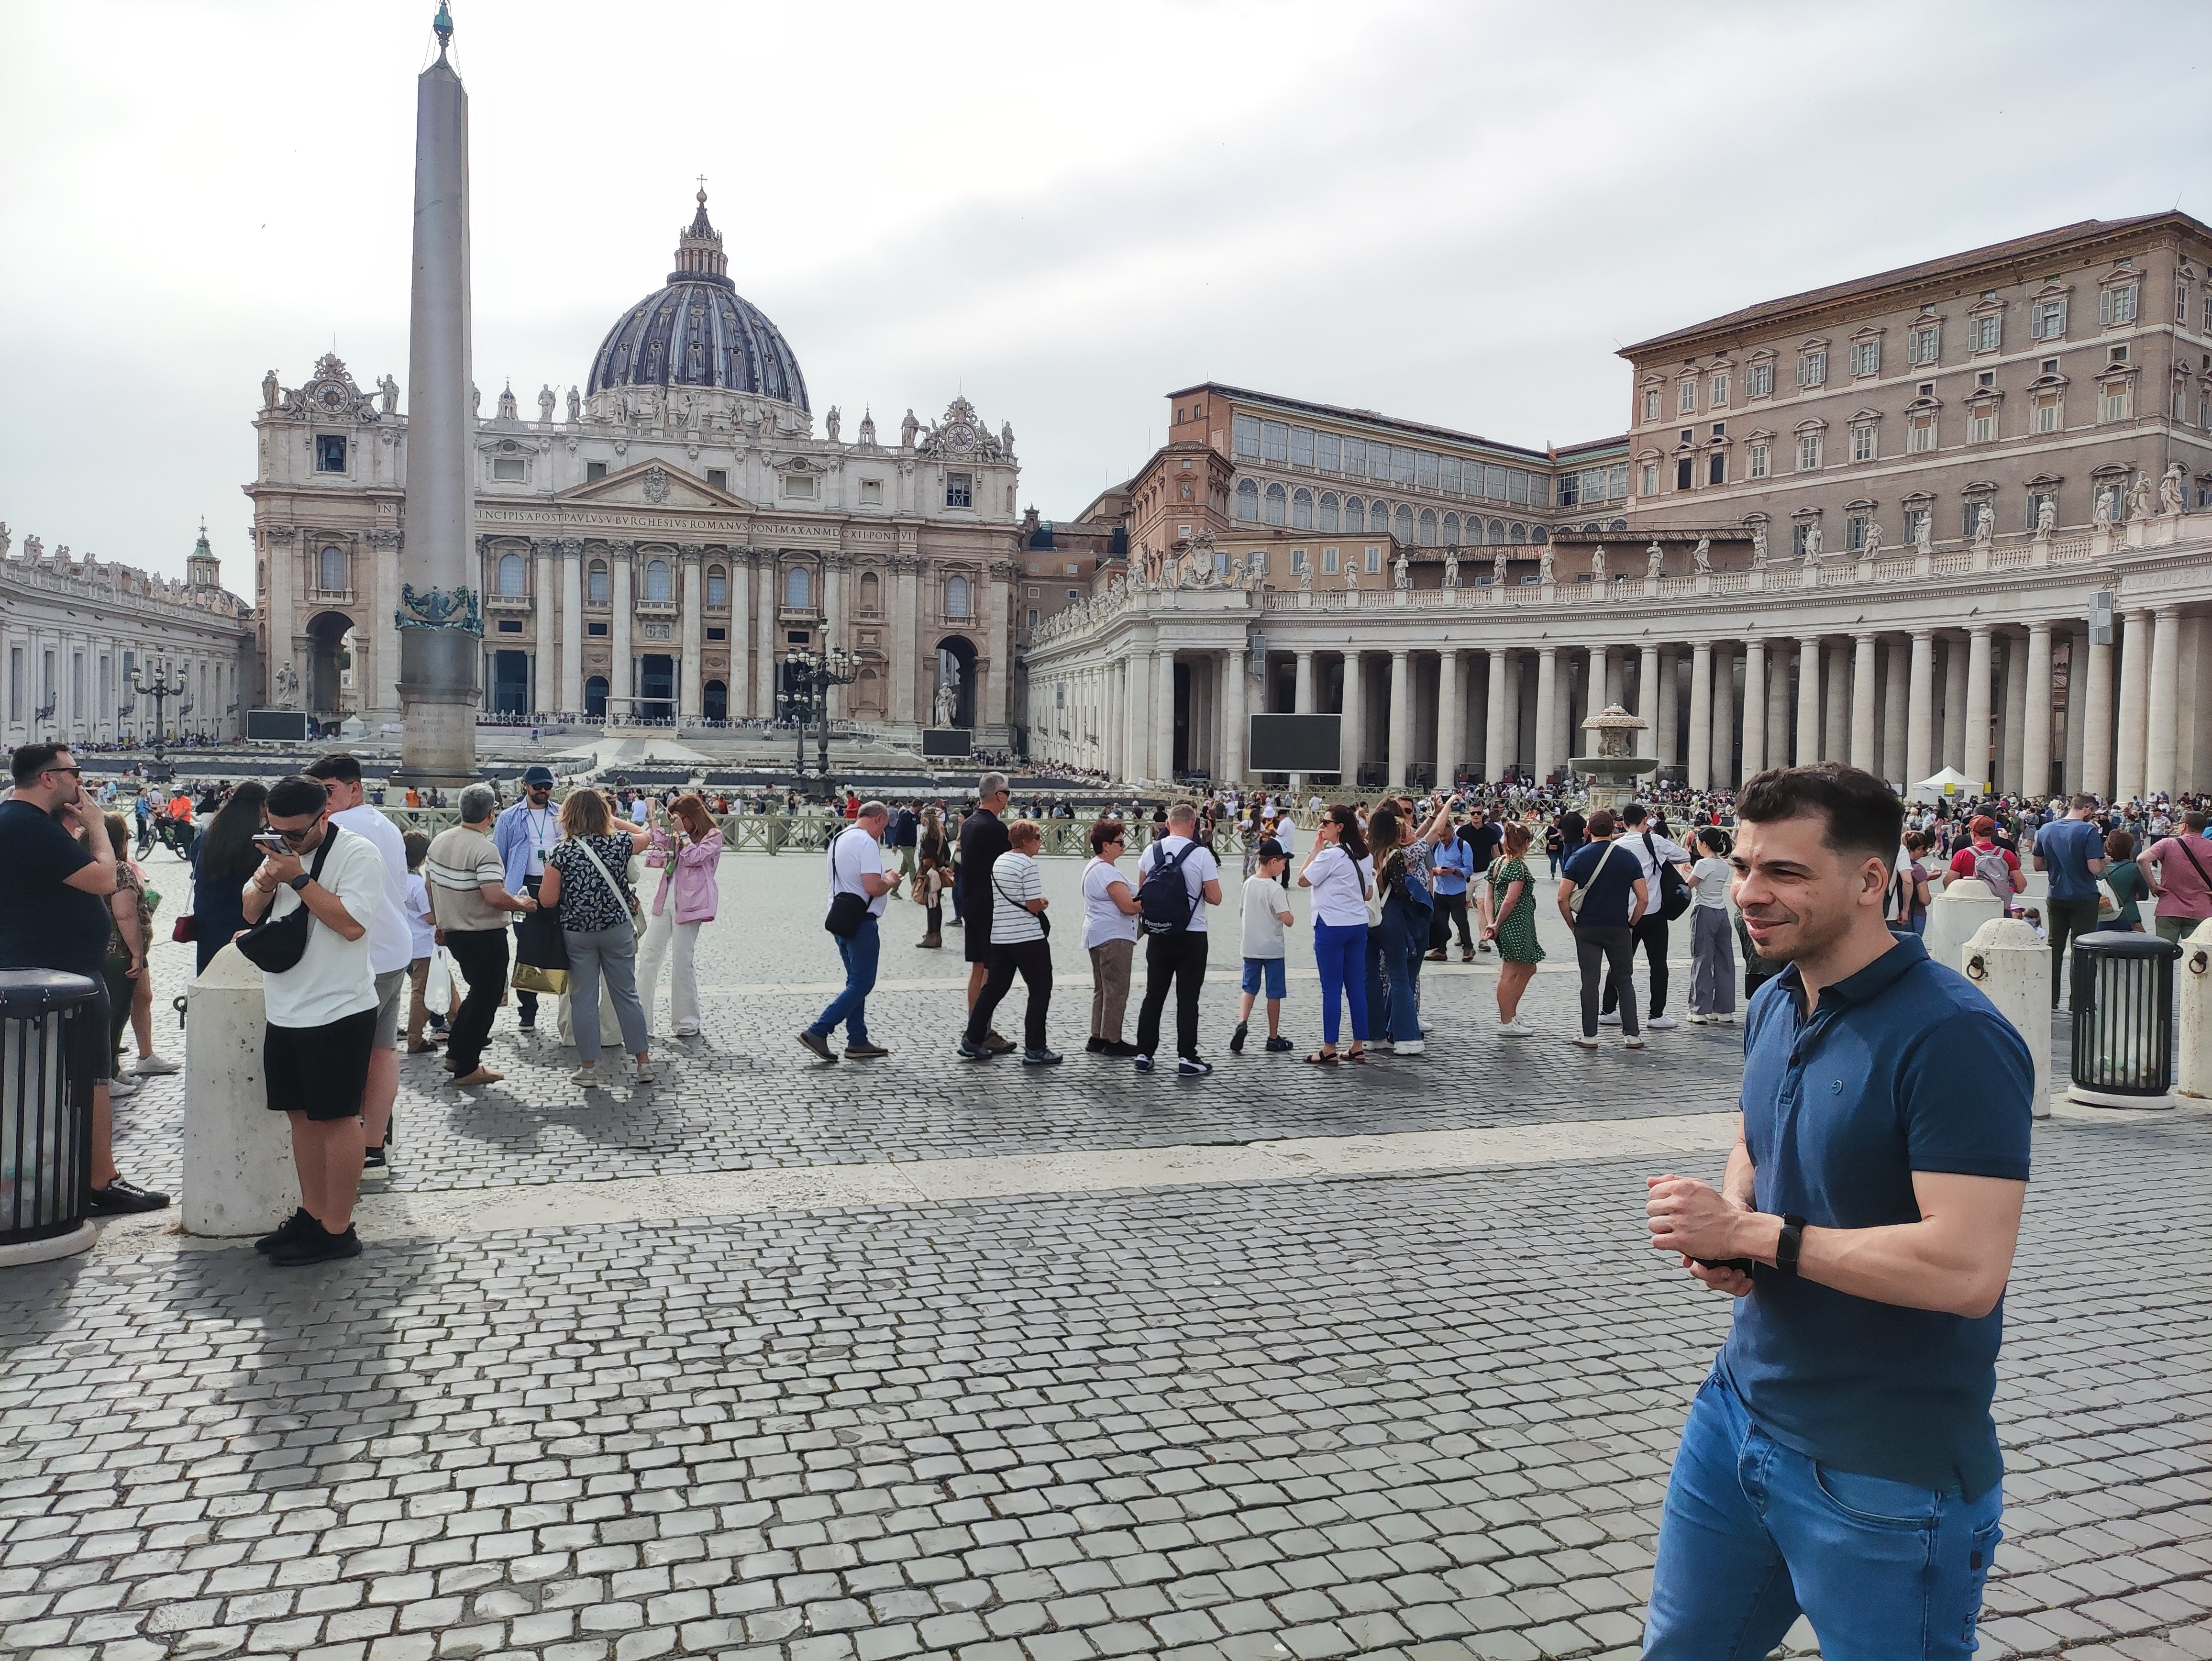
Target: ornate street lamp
point(810, 676)
point(160, 692)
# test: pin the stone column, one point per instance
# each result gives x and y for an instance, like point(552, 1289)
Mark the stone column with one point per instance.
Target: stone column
point(1893, 675)
point(2096, 694)
point(1974, 760)
point(1138, 759)
point(1647, 693)
point(1666, 689)
point(1778, 707)
point(2035, 731)
point(1234, 681)
point(1496, 745)
point(741, 632)
point(546, 689)
point(1163, 715)
point(1864, 731)
point(1401, 717)
point(1835, 706)
point(1920, 716)
point(906, 667)
point(1354, 749)
point(764, 664)
point(1808, 700)
point(572, 625)
point(2135, 706)
point(690, 685)
point(1724, 756)
point(1449, 711)
point(1755, 707)
point(1547, 707)
point(620, 682)
point(1302, 691)
point(1955, 703)
point(1599, 682)
point(1699, 773)
point(2009, 773)
point(2162, 757)
point(1000, 592)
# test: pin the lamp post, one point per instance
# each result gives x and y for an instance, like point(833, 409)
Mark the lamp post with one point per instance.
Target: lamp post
point(811, 675)
point(160, 692)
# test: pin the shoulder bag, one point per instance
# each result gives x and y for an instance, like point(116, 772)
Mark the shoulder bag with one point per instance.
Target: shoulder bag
point(621, 892)
point(848, 908)
point(276, 944)
point(1581, 889)
point(1043, 922)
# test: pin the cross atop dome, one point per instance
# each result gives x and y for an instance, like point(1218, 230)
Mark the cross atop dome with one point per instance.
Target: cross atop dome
point(699, 249)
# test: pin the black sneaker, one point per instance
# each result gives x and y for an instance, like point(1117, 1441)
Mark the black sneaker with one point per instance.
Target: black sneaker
point(1096, 1047)
point(970, 1051)
point(372, 1158)
point(1191, 1067)
point(1236, 1040)
point(527, 1024)
point(818, 1043)
point(122, 1199)
point(1040, 1058)
point(322, 1246)
point(286, 1232)
point(1116, 1047)
point(1277, 1046)
point(864, 1052)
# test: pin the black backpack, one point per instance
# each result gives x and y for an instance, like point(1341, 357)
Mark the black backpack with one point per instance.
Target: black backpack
point(1163, 906)
point(1674, 892)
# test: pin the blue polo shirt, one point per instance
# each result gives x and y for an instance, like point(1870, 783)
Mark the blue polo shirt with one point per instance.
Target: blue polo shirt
point(1455, 863)
point(2066, 848)
point(1611, 878)
point(1904, 1066)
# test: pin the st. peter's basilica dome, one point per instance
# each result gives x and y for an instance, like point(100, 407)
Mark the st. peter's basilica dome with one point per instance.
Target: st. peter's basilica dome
point(699, 332)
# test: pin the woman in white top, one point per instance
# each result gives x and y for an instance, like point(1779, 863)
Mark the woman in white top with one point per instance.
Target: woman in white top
point(1341, 876)
point(1017, 945)
point(1712, 941)
point(1109, 935)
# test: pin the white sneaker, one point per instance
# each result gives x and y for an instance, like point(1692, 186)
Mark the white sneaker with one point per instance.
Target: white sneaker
point(120, 1088)
point(644, 1074)
point(1514, 1030)
point(1410, 1047)
point(1580, 1042)
point(1698, 1021)
point(1660, 1023)
point(1611, 1018)
point(147, 1065)
point(586, 1076)
point(1635, 1041)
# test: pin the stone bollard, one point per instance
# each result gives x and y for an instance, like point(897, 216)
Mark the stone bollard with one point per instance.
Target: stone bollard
point(2192, 1013)
point(239, 1177)
point(2012, 968)
point(1964, 906)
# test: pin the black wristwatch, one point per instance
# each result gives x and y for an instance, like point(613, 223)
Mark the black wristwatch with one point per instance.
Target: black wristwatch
point(299, 882)
point(1787, 1245)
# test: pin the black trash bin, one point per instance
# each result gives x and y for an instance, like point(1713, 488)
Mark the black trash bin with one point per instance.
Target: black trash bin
point(46, 1109)
point(2123, 1000)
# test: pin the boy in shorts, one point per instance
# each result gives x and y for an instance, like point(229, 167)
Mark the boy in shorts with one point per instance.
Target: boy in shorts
point(1266, 915)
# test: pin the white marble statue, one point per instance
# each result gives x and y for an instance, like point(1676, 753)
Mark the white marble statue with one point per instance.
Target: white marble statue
point(1451, 568)
point(946, 704)
point(389, 389)
point(1985, 524)
point(1597, 565)
point(287, 685)
point(1758, 547)
point(2102, 516)
point(1497, 567)
point(1701, 557)
point(2139, 496)
point(831, 423)
point(1871, 549)
point(1305, 579)
point(2046, 517)
point(269, 390)
point(1923, 536)
point(1544, 564)
point(1401, 572)
point(2171, 496)
point(575, 405)
point(1351, 571)
point(1813, 540)
point(908, 429)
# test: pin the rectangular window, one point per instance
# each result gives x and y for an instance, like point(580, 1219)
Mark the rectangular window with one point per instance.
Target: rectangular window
point(1651, 403)
point(1719, 394)
point(1921, 436)
point(1813, 368)
point(1983, 333)
point(2047, 319)
point(1247, 436)
point(595, 629)
point(1863, 444)
point(960, 490)
point(1328, 564)
point(718, 478)
point(1809, 452)
point(1373, 560)
point(1855, 532)
point(1650, 479)
point(1401, 465)
point(1274, 441)
point(1968, 513)
point(2046, 413)
point(2116, 304)
point(1685, 472)
point(1797, 539)
point(1866, 357)
point(800, 486)
point(1450, 471)
point(330, 454)
point(1493, 484)
point(1984, 426)
point(1297, 561)
point(2035, 500)
point(1716, 468)
point(1302, 447)
point(1570, 491)
point(1914, 519)
point(1378, 461)
point(1761, 461)
point(872, 492)
point(1925, 345)
point(1539, 490)
point(1616, 488)
point(1355, 457)
point(508, 469)
point(2180, 302)
point(1328, 453)
point(1516, 486)
point(2116, 401)
point(1760, 380)
point(1425, 470)
point(1686, 397)
point(594, 469)
point(510, 626)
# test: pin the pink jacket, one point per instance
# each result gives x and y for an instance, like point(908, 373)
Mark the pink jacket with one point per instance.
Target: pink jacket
point(691, 874)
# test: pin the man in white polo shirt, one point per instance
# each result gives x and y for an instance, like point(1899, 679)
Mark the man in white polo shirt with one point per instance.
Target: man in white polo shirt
point(1652, 851)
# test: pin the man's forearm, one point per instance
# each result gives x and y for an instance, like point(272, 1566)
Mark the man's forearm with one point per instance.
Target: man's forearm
point(1920, 1265)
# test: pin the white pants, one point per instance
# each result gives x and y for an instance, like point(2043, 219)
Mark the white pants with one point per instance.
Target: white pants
point(663, 932)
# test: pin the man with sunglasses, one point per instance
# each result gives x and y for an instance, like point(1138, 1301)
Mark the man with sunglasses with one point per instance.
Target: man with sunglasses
point(61, 870)
point(321, 1013)
point(524, 834)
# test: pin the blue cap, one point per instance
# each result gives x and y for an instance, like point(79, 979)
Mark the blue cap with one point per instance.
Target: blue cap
point(538, 775)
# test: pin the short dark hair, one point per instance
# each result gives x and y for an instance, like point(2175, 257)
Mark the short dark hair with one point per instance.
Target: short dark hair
point(1106, 831)
point(29, 760)
point(1863, 814)
point(1601, 824)
point(335, 765)
point(295, 795)
point(2082, 804)
point(1634, 813)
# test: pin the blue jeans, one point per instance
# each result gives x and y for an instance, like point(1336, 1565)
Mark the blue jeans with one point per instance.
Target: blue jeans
point(1340, 954)
point(851, 1006)
point(1394, 968)
point(1755, 1533)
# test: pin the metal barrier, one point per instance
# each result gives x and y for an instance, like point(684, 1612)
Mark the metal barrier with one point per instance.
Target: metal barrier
point(46, 1125)
point(2123, 1000)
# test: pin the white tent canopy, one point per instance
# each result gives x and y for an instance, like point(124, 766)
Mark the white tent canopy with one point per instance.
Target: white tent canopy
point(1942, 786)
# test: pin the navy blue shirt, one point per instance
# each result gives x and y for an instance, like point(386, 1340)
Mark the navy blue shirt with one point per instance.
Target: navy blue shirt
point(2066, 849)
point(1612, 890)
point(1904, 1066)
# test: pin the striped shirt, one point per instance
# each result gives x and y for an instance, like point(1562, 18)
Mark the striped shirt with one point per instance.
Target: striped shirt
point(461, 862)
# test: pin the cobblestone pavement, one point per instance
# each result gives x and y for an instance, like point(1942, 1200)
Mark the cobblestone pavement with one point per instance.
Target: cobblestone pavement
point(1402, 1416)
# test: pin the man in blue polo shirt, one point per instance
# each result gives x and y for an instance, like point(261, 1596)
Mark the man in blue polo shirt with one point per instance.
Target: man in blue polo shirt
point(1840, 1461)
point(2072, 850)
point(1451, 866)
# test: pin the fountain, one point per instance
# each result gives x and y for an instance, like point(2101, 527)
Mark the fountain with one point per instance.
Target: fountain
point(1615, 772)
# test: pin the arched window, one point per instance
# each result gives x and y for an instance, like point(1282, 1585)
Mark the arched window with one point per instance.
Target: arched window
point(1542, 535)
point(1355, 515)
point(657, 580)
point(1330, 515)
point(1428, 527)
point(956, 596)
point(595, 698)
point(1405, 523)
point(1496, 532)
point(511, 578)
point(1520, 533)
point(871, 590)
point(330, 570)
point(1302, 510)
point(1451, 530)
point(1278, 502)
point(716, 697)
point(796, 587)
point(597, 592)
point(717, 587)
point(1247, 499)
point(1618, 525)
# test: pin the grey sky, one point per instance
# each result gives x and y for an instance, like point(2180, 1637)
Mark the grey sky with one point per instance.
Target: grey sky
point(1453, 213)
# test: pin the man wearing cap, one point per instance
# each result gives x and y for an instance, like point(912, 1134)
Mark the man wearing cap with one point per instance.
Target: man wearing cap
point(524, 834)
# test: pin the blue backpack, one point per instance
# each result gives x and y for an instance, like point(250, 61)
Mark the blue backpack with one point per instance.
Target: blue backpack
point(1163, 906)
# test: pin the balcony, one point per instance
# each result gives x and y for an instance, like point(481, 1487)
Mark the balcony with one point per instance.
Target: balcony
point(329, 597)
point(508, 603)
point(653, 608)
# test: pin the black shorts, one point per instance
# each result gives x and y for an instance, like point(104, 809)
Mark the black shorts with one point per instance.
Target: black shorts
point(319, 1071)
point(89, 1050)
point(975, 938)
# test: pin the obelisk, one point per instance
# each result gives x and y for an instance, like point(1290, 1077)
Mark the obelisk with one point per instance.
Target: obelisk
point(441, 619)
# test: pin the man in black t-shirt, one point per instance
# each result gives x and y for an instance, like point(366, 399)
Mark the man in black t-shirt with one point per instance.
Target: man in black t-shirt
point(982, 839)
point(61, 866)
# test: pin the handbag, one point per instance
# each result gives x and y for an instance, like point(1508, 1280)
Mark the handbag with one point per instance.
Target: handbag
point(276, 944)
point(1581, 889)
point(541, 955)
point(847, 908)
point(637, 911)
point(186, 929)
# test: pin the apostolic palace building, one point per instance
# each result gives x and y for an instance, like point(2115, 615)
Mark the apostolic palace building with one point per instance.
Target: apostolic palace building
point(1950, 514)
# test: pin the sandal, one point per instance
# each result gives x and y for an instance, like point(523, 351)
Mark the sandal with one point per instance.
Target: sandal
point(1322, 1058)
point(1358, 1055)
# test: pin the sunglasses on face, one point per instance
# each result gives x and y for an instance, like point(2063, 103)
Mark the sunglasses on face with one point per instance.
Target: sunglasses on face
point(73, 772)
point(299, 836)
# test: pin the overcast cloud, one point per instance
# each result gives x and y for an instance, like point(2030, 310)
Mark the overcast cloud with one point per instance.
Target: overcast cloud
point(1451, 213)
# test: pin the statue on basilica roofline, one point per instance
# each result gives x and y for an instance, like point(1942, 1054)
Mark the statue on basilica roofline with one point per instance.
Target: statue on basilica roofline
point(908, 429)
point(476, 399)
point(575, 405)
point(1400, 571)
point(1497, 567)
point(389, 389)
point(831, 423)
point(1351, 573)
point(1544, 564)
point(269, 390)
point(546, 400)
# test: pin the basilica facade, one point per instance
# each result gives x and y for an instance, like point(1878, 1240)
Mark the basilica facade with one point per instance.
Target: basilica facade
point(656, 543)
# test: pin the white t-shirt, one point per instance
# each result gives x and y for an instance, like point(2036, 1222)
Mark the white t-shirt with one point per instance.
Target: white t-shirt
point(1198, 870)
point(1264, 905)
point(1015, 878)
point(1708, 882)
point(1286, 832)
point(853, 855)
point(1335, 878)
point(1673, 852)
point(421, 931)
point(1102, 920)
point(333, 976)
point(390, 946)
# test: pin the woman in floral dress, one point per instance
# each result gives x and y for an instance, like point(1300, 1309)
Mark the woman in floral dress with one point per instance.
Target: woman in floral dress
point(1510, 923)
